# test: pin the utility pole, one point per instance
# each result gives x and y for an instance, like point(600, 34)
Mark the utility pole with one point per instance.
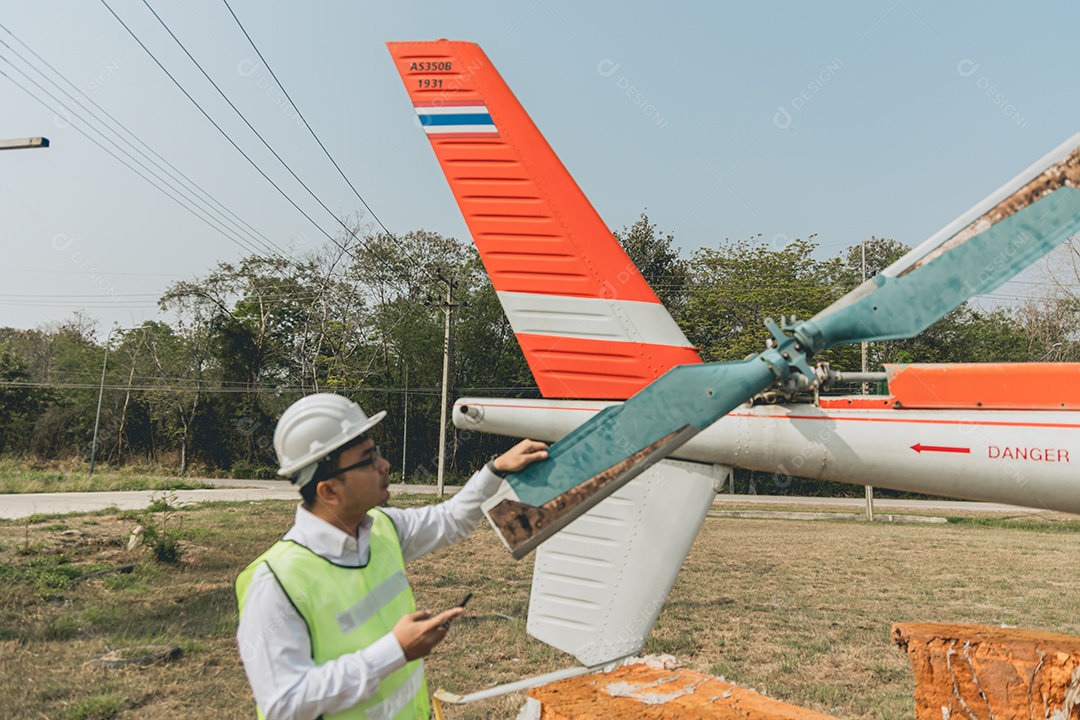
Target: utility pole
point(447, 306)
point(869, 488)
point(862, 345)
point(405, 422)
point(101, 393)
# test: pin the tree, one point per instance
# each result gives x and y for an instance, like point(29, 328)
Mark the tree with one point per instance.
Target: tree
point(1051, 319)
point(242, 320)
point(61, 353)
point(20, 402)
point(880, 254)
point(658, 262)
point(1051, 328)
point(736, 286)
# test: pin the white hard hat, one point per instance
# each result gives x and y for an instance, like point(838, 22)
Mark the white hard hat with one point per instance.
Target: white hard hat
point(315, 426)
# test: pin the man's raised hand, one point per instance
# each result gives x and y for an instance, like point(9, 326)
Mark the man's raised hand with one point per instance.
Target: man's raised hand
point(520, 456)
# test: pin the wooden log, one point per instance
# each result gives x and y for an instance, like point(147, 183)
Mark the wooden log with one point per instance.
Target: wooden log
point(973, 672)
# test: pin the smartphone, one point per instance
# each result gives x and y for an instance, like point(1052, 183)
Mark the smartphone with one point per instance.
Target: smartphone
point(464, 601)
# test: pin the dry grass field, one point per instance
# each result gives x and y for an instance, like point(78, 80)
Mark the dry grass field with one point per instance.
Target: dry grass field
point(68, 476)
point(798, 609)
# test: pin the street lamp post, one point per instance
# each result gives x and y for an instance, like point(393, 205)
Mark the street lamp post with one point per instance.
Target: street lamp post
point(24, 143)
point(101, 393)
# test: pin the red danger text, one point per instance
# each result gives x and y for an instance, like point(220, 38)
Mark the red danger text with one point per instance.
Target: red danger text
point(1035, 454)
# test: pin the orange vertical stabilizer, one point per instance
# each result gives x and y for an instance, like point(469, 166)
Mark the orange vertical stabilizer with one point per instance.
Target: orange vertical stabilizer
point(588, 322)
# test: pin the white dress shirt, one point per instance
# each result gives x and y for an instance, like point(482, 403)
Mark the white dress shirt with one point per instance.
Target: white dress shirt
point(274, 643)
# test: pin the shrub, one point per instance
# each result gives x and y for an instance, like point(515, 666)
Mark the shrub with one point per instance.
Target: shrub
point(163, 541)
point(243, 470)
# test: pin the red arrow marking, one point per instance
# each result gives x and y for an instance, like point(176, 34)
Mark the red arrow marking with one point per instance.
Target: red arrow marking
point(919, 447)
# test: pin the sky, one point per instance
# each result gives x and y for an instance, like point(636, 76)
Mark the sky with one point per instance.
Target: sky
point(726, 121)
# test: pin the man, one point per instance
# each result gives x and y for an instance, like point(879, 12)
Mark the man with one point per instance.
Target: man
point(328, 625)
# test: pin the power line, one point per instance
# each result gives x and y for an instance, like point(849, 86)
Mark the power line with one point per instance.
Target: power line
point(81, 272)
point(251, 232)
point(305, 295)
point(230, 103)
point(263, 140)
point(303, 119)
point(262, 390)
point(240, 114)
point(92, 296)
point(222, 229)
point(218, 127)
point(250, 126)
point(114, 155)
point(82, 305)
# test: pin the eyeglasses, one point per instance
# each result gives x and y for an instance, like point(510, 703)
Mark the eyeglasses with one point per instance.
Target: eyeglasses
point(375, 457)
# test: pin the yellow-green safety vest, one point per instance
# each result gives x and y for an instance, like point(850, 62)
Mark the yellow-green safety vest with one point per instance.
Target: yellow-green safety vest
point(347, 609)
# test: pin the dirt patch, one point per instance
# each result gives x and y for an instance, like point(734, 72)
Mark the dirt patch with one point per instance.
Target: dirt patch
point(640, 691)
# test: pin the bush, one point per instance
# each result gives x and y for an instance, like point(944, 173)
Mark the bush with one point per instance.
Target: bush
point(243, 470)
point(164, 542)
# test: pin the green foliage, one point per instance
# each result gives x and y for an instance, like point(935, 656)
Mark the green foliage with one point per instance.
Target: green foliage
point(659, 263)
point(243, 470)
point(362, 317)
point(1031, 523)
point(96, 707)
point(37, 420)
point(48, 575)
point(19, 403)
point(162, 540)
point(964, 335)
point(16, 477)
point(879, 253)
point(737, 285)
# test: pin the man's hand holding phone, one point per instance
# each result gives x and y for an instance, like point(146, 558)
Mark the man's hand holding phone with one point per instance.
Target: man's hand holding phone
point(464, 601)
point(418, 633)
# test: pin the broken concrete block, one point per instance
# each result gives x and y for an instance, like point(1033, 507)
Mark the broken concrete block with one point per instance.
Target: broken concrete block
point(655, 693)
point(980, 671)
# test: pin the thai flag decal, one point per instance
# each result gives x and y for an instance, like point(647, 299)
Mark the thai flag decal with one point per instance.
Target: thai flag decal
point(472, 120)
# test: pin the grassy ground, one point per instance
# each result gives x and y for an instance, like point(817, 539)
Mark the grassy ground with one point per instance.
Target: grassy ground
point(20, 477)
point(798, 609)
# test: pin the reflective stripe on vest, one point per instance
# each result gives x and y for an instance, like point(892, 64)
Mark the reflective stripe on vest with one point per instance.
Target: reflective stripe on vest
point(382, 595)
point(347, 609)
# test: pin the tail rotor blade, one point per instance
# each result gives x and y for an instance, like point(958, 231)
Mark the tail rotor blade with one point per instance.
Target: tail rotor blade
point(976, 253)
point(618, 444)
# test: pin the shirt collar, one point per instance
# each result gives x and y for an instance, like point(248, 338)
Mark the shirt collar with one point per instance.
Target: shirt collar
point(329, 542)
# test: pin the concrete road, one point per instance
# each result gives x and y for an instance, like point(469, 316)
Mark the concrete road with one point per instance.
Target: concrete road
point(13, 507)
point(879, 503)
point(21, 506)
